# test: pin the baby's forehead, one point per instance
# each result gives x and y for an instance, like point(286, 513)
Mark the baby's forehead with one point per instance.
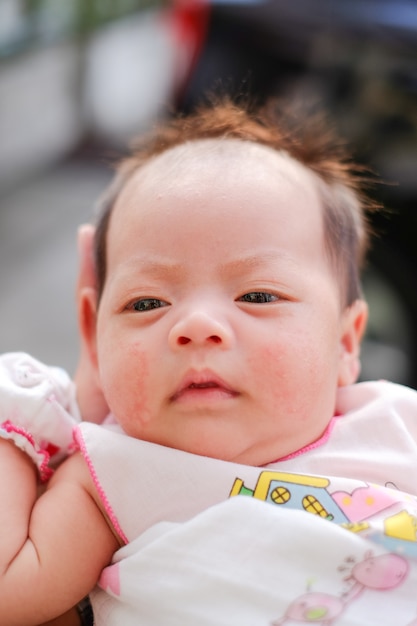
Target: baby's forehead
point(228, 157)
point(216, 174)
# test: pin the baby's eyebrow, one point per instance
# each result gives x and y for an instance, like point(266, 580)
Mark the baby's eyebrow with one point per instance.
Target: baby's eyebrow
point(153, 268)
point(160, 270)
point(254, 261)
point(166, 269)
point(160, 267)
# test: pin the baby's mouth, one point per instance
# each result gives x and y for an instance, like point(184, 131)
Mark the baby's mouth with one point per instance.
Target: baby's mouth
point(203, 386)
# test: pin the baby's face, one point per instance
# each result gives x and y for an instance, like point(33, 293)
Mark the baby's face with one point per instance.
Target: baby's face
point(220, 330)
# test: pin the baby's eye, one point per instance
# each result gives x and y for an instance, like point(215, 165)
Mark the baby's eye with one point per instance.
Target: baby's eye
point(258, 297)
point(147, 304)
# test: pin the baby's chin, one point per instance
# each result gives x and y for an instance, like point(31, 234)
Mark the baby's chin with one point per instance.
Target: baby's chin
point(225, 438)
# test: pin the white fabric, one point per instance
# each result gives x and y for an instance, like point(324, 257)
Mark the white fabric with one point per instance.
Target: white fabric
point(38, 409)
point(247, 563)
point(197, 556)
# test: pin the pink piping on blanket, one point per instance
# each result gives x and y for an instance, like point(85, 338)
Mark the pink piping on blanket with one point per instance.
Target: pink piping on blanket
point(316, 444)
point(107, 506)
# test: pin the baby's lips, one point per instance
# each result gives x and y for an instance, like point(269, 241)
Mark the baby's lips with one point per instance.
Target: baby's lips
point(205, 379)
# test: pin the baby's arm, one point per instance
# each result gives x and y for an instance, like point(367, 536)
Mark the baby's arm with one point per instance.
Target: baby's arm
point(17, 495)
point(71, 618)
point(55, 547)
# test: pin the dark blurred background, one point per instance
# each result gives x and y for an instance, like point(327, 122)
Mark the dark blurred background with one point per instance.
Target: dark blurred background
point(79, 78)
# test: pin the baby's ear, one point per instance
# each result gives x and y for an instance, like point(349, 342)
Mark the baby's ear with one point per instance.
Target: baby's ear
point(87, 322)
point(92, 403)
point(353, 326)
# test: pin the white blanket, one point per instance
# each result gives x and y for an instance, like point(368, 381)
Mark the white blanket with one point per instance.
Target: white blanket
point(249, 563)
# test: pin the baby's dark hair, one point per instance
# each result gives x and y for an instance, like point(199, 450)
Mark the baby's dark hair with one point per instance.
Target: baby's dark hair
point(309, 140)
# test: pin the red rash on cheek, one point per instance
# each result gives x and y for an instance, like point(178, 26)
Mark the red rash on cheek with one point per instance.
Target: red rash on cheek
point(138, 381)
point(281, 378)
point(127, 387)
point(268, 370)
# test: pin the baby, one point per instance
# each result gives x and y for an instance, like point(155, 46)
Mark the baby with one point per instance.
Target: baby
point(224, 332)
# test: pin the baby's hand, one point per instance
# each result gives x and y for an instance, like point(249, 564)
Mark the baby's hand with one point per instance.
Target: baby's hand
point(38, 410)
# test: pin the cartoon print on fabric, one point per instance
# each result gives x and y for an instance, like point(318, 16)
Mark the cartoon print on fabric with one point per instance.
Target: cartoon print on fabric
point(383, 515)
point(379, 573)
point(308, 493)
point(399, 533)
point(364, 502)
point(312, 494)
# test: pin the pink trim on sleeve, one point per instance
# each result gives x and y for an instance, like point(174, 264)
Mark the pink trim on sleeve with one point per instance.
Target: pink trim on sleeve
point(25, 441)
point(311, 446)
point(78, 436)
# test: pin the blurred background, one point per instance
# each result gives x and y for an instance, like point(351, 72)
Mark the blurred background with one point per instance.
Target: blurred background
point(80, 78)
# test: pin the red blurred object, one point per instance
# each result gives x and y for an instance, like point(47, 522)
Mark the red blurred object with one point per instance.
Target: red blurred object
point(188, 22)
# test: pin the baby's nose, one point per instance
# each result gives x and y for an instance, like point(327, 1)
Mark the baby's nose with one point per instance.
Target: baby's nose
point(200, 329)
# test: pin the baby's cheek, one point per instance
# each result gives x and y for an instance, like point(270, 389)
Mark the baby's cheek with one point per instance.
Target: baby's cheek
point(287, 376)
point(269, 369)
point(127, 387)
